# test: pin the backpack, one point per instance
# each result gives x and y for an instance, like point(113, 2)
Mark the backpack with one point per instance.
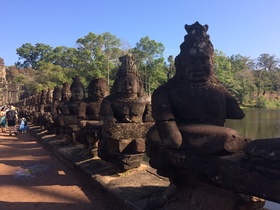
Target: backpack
point(11, 115)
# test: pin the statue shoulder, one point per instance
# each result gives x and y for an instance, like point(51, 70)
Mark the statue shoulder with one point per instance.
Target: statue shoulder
point(108, 98)
point(163, 90)
point(145, 98)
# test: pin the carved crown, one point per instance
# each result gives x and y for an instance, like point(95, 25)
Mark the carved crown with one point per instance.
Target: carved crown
point(127, 65)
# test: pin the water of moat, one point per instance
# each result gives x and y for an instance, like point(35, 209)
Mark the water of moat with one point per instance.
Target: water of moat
point(259, 124)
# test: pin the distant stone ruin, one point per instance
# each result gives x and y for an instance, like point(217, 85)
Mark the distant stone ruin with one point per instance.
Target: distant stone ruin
point(9, 92)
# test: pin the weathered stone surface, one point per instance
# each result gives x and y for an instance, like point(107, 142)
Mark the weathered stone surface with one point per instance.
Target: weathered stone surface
point(126, 116)
point(268, 149)
point(143, 188)
point(9, 92)
point(126, 130)
point(189, 143)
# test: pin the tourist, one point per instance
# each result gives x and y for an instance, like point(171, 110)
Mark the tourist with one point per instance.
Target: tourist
point(12, 117)
point(23, 125)
point(3, 119)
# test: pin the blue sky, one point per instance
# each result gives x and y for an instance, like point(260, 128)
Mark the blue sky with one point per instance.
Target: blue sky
point(245, 27)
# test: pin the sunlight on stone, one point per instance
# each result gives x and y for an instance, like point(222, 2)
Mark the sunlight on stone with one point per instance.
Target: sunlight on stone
point(61, 172)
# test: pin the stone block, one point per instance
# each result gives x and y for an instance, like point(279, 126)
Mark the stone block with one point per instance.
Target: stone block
point(127, 130)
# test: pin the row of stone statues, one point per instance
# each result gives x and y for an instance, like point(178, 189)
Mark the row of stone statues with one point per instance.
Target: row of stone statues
point(112, 125)
point(181, 128)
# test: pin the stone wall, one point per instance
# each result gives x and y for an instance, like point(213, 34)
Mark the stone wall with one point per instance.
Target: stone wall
point(9, 92)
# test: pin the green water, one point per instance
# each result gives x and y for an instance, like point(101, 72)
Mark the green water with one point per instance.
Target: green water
point(259, 124)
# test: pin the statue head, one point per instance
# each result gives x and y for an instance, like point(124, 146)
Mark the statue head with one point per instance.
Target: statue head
point(77, 89)
point(49, 96)
point(66, 92)
point(98, 89)
point(128, 83)
point(57, 93)
point(43, 99)
point(194, 64)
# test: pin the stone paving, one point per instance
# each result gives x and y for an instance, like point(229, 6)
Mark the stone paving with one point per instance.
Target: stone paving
point(31, 177)
point(129, 190)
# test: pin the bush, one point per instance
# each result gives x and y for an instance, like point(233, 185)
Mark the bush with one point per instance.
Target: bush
point(277, 103)
point(261, 102)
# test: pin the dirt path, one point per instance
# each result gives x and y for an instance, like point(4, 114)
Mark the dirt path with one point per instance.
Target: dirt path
point(31, 177)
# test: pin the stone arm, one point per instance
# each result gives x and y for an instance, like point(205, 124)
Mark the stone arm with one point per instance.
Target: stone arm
point(147, 115)
point(54, 108)
point(233, 109)
point(81, 112)
point(59, 108)
point(106, 113)
point(164, 119)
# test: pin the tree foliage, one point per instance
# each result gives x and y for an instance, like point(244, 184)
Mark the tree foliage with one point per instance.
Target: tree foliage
point(41, 66)
point(149, 58)
point(267, 62)
point(32, 55)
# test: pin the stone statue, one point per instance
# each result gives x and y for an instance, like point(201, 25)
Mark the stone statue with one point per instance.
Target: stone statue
point(56, 100)
point(78, 94)
point(126, 116)
point(88, 112)
point(36, 108)
point(189, 143)
point(46, 118)
point(191, 108)
point(62, 108)
point(68, 121)
point(49, 100)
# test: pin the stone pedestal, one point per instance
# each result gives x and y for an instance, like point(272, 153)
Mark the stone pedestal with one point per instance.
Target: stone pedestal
point(123, 144)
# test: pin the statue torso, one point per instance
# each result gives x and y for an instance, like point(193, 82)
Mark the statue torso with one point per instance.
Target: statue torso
point(125, 110)
point(92, 110)
point(201, 105)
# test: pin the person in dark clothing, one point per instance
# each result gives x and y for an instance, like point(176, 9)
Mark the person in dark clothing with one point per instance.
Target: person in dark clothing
point(12, 116)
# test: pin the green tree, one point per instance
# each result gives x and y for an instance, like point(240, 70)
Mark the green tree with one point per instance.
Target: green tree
point(239, 62)
point(223, 69)
point(261, 102)
point(51, 75)
point(276, 80)
point(112, 51)
point(267, 62)
point(171, 69)
point(244, 85)
point(262, 81)
point(149, 59)
point(32, 55)
point(266, 77)
point(102, 52)
point(62, 56)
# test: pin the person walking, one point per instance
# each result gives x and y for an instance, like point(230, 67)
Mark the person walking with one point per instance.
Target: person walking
point(3, 119)
point(12, 117)
point(23, 126)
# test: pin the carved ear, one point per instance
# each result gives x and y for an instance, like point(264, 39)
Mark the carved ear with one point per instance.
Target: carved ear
point(206, 27)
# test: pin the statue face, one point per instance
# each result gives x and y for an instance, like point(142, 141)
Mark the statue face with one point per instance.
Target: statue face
point(43, 99)
point(99, 92)
point(77, 93)
point(49, 99)
point(66, 96)
point(128, 85)
point(198, 67)
point(57, 97)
